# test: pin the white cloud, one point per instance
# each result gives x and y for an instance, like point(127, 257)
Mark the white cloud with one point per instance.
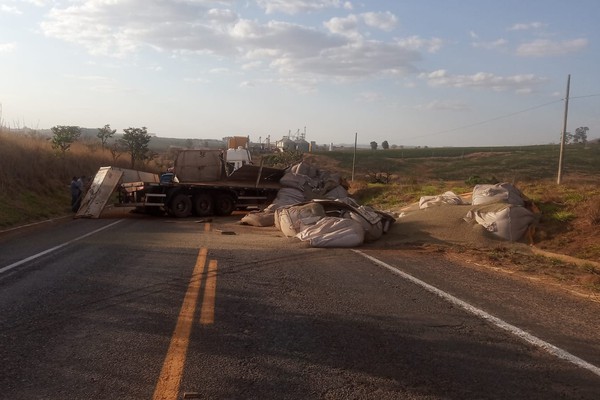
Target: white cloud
point(418, 43)
point(196, 80)
point(527, 26)
point(118, 28)
point(370, 97)
point(349, 26)
point(385, 21)
point(7, 47)
point(5, 8)
point(544, 48)
point(484, 80)
point(199, 28)
point(441, 105)
point(356, 60)
point(298, 6)
point(496, 44)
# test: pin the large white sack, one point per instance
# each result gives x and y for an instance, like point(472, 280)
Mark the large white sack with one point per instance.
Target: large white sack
point(329, 181)
point(498, 193)
point(338, 192)
point(287, 197)
point(303, 168)
point(291, 220)
point(508, 221)
point(298, 181)
point(333, 232)
point(449, 198)
point(373, 231)
point(260, 218)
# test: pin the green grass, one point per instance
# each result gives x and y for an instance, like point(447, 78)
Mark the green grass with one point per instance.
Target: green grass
point(509, 164)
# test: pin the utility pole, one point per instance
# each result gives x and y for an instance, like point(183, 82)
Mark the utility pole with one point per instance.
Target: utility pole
point(564, 134)
point(354, 158)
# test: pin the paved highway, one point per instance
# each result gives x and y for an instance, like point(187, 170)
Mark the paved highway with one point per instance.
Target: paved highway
point(156, 308)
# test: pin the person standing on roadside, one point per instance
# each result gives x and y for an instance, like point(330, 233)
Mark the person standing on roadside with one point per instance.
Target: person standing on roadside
point(76, 189)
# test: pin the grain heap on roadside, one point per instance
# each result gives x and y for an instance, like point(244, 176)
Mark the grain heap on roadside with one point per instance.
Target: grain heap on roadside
point(490, 216)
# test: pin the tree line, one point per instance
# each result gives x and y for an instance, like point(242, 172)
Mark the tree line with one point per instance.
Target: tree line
point(579, 137)
point(134, 141)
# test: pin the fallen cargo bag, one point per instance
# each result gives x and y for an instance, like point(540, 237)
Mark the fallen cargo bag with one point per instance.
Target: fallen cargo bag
point(448, 198)
point(371, 223)
point(499, 193)
point(508, 221)
point(298, 181)
point(259, 218)
point(333, 232)
point(338, 192)
point(330, 181)
point(303, 168)
point(291, 220)
point(288, 197)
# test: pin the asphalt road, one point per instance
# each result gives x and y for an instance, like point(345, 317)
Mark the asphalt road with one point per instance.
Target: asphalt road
point(143, 308)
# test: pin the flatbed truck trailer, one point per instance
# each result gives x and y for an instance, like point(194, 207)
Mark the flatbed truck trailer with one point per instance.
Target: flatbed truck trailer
point(202, 185)
point(200, 199)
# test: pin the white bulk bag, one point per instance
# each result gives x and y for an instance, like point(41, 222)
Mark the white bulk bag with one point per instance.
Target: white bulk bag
point(259, 218)
point(499, 193)
point(449, 198)
point(333, 232)
point(291, 220)
point(507, 221)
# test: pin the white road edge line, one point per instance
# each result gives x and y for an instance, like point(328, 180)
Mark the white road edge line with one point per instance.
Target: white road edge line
point(33, 257)
point(550, 348)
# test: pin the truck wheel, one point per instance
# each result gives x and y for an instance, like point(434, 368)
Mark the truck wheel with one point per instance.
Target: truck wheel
point(203, 204)
point(180, 206)
point(224, 204)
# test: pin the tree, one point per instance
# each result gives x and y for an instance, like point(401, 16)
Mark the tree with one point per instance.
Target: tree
point(373, 145)
point(117, 149)
point(136, 141)
point(104, 134)
point(385, 145)
point(580, 135)
point(64, 136)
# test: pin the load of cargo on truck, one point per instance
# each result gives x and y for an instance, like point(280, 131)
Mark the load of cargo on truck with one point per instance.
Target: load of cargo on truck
point(201, 183)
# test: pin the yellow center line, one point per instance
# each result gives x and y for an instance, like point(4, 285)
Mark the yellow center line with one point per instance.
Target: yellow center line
point(172, 370)
point(207, 314)
point(207, 227)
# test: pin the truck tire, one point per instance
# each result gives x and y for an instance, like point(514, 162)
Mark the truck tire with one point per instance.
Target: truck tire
point(180, 206)
point(203, 204)
point(224, 204)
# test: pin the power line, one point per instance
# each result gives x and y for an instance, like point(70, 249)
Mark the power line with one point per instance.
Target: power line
point(582, 97)
point(491, 119)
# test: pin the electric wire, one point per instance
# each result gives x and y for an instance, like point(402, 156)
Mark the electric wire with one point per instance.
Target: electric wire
point(487, 120)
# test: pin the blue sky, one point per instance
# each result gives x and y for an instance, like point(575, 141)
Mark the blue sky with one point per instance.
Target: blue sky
point(412, 72)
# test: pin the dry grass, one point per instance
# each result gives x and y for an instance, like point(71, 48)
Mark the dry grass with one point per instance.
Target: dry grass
point(34, 178)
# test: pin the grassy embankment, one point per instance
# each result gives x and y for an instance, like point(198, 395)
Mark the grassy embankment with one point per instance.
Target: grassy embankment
point(34, 178)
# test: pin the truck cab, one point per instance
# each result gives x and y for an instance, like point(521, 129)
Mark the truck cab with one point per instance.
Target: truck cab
point(237, 158)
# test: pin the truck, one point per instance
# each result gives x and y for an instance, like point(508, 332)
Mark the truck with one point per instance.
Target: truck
point(204, 183)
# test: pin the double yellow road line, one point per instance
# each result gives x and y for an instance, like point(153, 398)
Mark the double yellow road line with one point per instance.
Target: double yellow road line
point(172, 370)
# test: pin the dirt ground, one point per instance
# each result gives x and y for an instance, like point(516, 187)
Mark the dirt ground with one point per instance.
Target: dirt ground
point(553, 259)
